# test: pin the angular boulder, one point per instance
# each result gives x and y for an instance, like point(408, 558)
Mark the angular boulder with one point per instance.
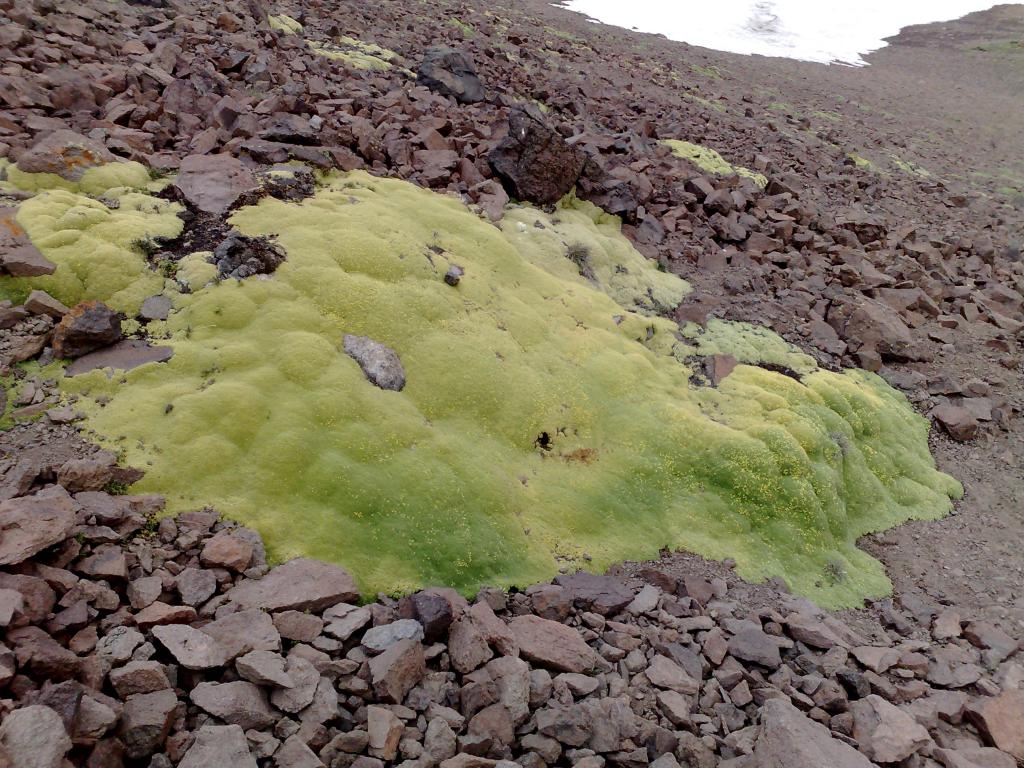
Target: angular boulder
point(34, 737)
point(30, 524)
point(219, 745)
point(552, 645)
point(999, 720)
point(886, 733)
point(450, 72)
point(534, 162)
point(214, 183)
point(18, 257)
point(789, 739)
point(89, 326)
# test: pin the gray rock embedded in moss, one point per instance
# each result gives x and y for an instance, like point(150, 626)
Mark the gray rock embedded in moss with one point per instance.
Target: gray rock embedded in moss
point(380, 364)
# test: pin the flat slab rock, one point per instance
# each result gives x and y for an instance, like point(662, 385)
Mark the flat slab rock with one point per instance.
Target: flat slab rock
point(213, 183)
point(30, 524)
point(552, 645)
point(789, 739)
point(298, 585)
point(122, 356)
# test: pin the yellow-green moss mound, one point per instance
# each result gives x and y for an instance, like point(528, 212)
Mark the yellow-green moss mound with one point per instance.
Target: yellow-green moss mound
point(96, 245)
point(546, 421)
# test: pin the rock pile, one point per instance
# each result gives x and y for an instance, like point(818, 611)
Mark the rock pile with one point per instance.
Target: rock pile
point(129, 641)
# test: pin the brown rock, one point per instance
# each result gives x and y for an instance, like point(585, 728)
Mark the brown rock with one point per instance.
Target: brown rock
point(384, 730)
point(139, 677)
point(397, 670)
point(885, 733)
point(88, 326)
point(65, 153)
point(239, 703)
point(298, 626)
point(299, 584)
point(42, 303)
point(552, 645)
point(244, 631)
point(30, 524)
point(999, 720)
point(605, 595)
point(214, 183)
point(958, 422)
point(162, 613)
point(219, 746)
point(227, 551)
point(191, 648)
point(789, 739)
point(18, 257)
point(146, 721)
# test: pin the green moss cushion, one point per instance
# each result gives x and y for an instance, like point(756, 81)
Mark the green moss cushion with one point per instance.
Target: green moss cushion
point(548, 419)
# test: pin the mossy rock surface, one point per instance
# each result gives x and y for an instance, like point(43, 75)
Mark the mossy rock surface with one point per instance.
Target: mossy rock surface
point(710, 161)
point(548, 419)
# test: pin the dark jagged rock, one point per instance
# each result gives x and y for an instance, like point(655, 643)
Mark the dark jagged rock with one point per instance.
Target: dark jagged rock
point(450, 72)
point(534, 161)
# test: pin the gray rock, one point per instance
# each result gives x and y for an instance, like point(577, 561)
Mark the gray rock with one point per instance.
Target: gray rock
point(155, 308)
point(300, 693)
point(122, 356)
point(219, 746)
point(397, 670)
point(196, 585)
point(755, 646)
point(294, 753)
point(144, 591)
point(264, 668)
point(190, 647)
point(451, 73)
point(344, 620)
point(239, 703)
point(379, 639)
point(118, 645)
point(244, 631)
point(34, 737)
point(214, 183)
point(380, 364)
point(665, 673)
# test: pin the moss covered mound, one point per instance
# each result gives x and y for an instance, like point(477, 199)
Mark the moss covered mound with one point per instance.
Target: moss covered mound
point(710, 161)
point(547, 419)
point(96, 244)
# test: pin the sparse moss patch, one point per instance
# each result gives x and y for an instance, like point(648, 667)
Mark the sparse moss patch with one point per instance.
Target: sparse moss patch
point(284, 23)
point(708, 159)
